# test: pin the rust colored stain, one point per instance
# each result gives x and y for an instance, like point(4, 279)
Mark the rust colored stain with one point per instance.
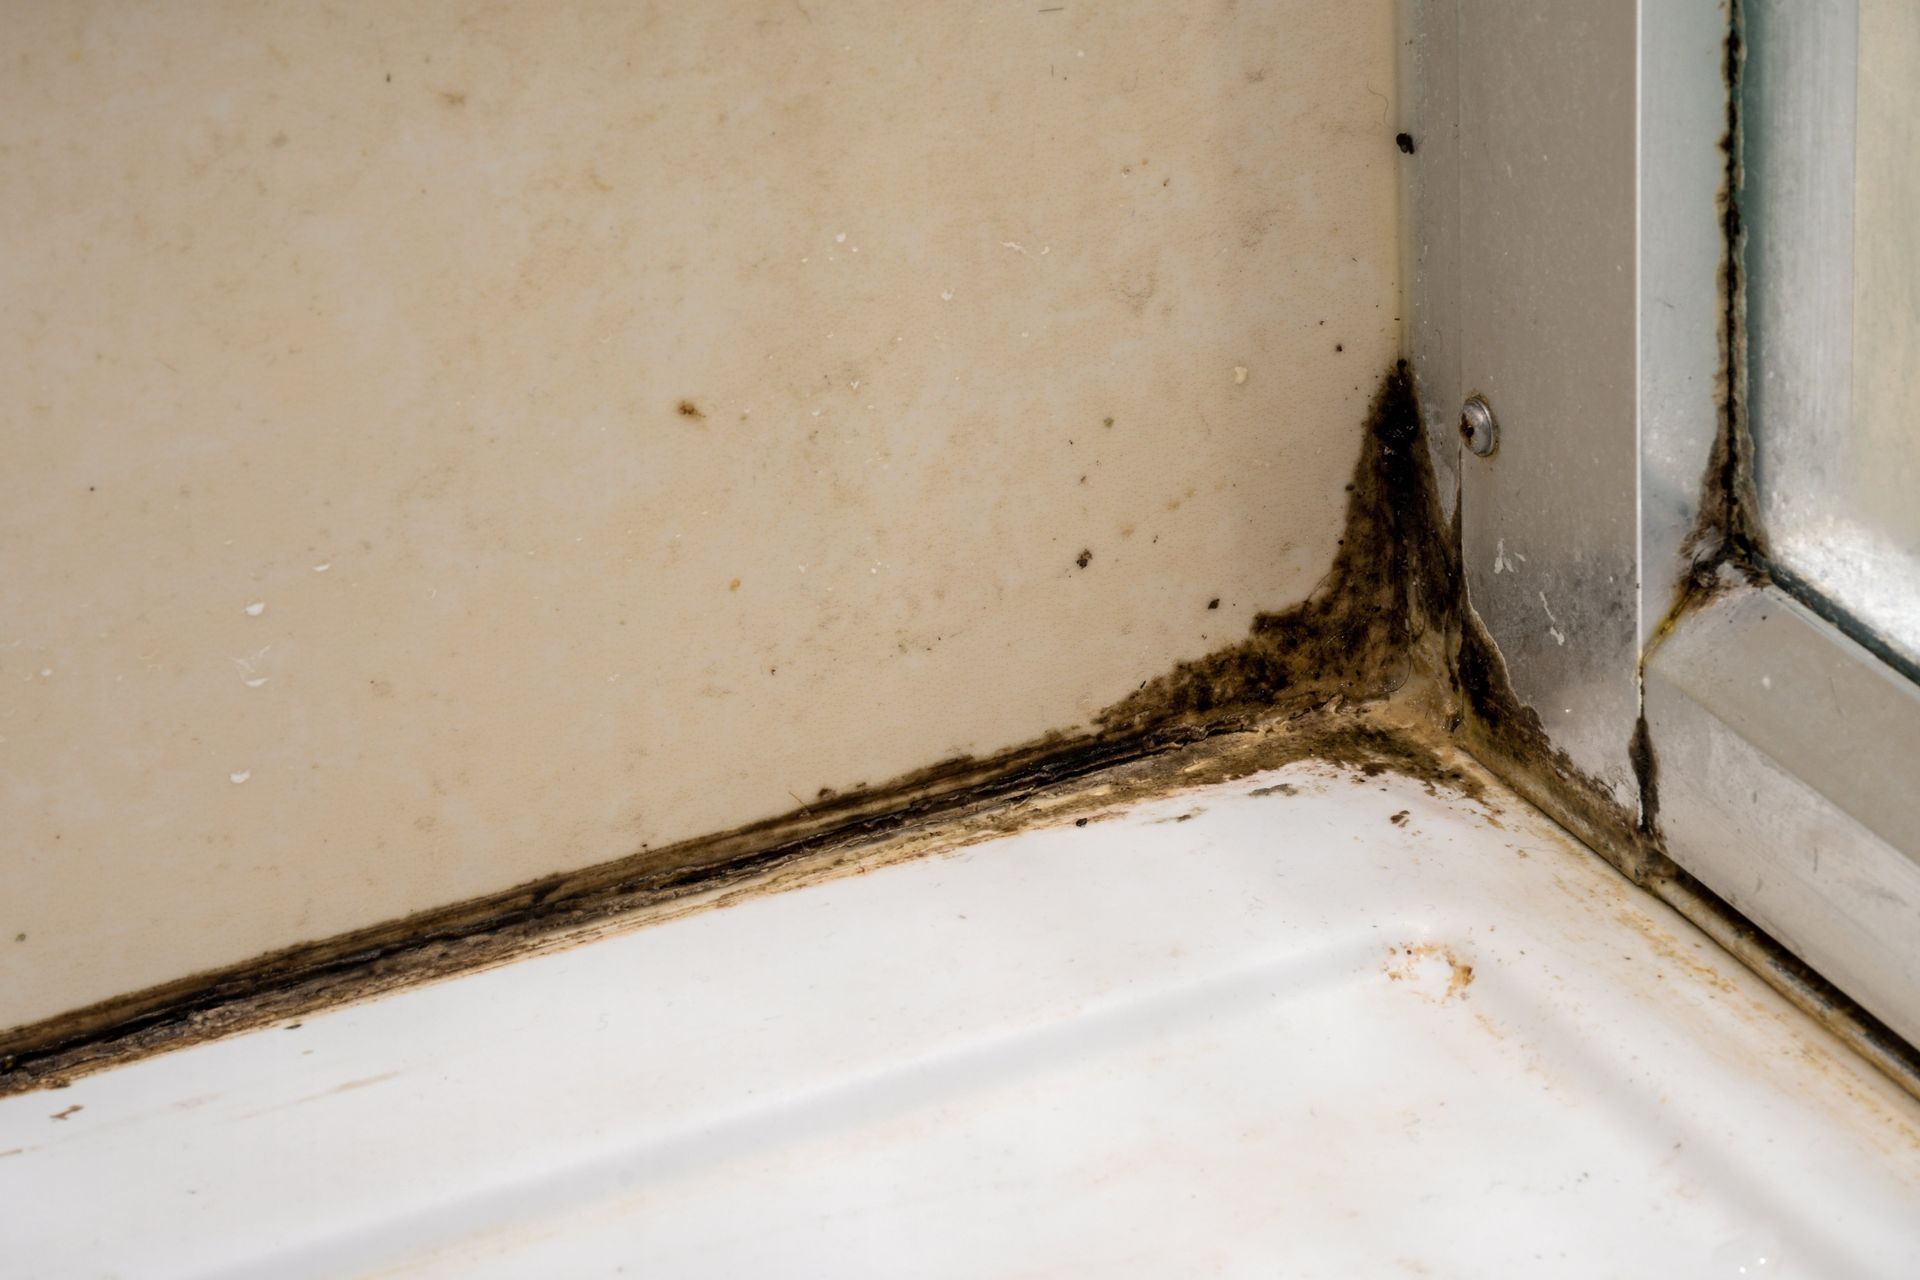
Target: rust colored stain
point(1403, 961)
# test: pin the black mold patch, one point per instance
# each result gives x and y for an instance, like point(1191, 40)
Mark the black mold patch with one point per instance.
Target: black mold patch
point(1392, 577)
point(1646, 773)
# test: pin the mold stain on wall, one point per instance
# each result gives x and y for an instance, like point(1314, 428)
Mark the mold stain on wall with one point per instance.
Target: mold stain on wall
point(1303, 683)
point(1357, 633)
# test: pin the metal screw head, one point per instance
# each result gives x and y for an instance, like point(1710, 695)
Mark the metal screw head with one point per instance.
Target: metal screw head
point(1477, 426)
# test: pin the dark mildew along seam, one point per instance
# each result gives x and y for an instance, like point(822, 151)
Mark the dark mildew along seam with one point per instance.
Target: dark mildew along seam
point(1366, 629)
point(1387, 615)
point(1728, 544)
point(1728, 547)
point(1357, 634)
point(1727, 533)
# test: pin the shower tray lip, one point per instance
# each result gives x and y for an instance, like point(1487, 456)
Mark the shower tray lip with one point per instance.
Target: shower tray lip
point(1370, 993)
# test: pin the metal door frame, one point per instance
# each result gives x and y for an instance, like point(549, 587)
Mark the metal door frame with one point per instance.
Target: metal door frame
point(1573, 261)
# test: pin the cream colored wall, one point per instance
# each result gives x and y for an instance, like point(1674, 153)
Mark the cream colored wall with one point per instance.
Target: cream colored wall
point(355, 556)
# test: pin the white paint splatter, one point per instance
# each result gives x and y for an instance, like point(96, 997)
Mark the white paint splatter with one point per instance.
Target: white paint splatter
point(946, 295)
point(1553, 623)
point(257, 608)
point(1766, 682)
point(323, 566)
point(239, 776)
point(1008, 244)
point(1239, 374)
point(250, 667)
point(45, 672)
point(841, 238)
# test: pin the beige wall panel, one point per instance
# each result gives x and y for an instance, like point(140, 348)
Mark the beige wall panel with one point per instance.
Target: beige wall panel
point(357, 555)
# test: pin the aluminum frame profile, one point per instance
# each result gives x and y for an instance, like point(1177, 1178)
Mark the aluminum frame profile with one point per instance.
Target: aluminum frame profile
point(1569, 259)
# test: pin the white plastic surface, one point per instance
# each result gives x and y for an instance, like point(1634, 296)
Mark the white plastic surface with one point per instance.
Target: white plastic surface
point(1235, 1032)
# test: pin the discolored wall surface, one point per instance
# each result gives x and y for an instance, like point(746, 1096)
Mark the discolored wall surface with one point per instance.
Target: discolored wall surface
point(450, 444)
